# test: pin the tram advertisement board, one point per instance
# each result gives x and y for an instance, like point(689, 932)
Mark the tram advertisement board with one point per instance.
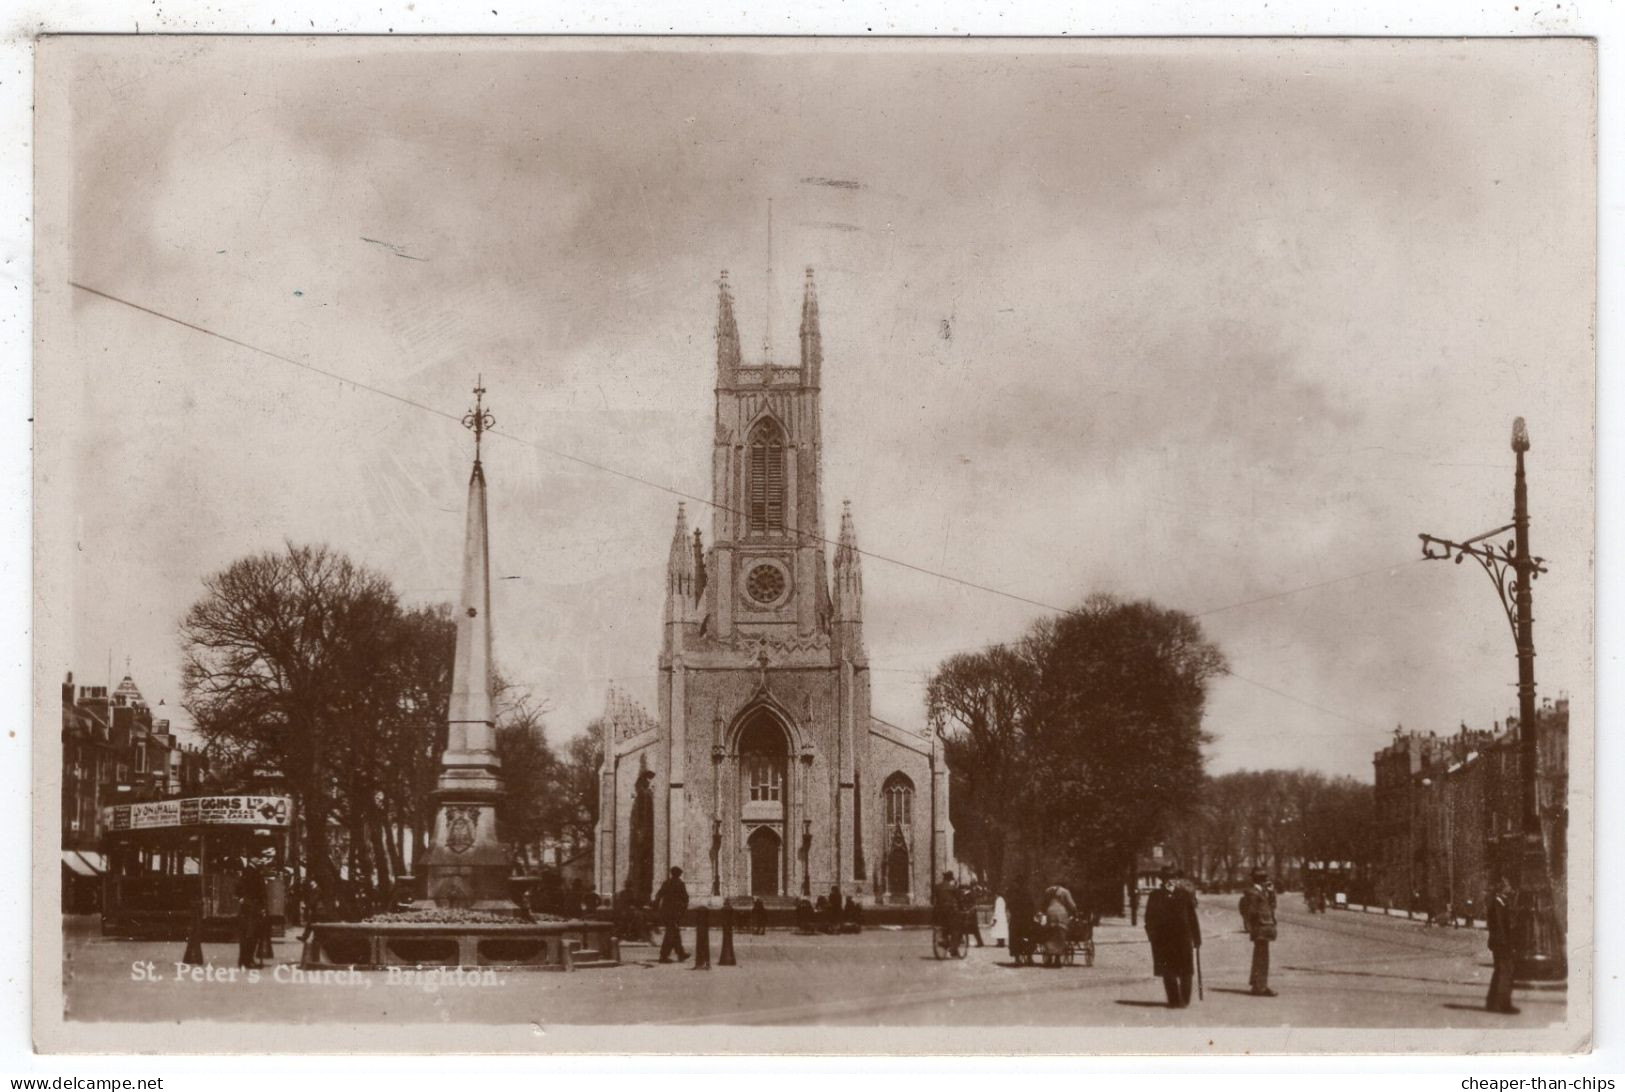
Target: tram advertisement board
point(193, 811)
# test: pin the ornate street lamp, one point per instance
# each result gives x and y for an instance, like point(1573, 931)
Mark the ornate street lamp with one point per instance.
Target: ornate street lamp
point(1513, 570)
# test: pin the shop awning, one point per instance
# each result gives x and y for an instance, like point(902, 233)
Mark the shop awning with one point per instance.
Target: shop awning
point(87, 864)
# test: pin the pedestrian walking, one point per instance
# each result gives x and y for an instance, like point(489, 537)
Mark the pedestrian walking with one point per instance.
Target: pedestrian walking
point(973, 920)
point(758, 917)
point(1000, 931)
point(945, 907)
point(1504, 935)
point(250, 909)
point(1022, 913)
point(671, 902)
point(1059, 910)
point(1258, 910)
point(1175, 934)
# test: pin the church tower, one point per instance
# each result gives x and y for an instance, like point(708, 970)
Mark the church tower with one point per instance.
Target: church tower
point(767, 456)
point(769, 776)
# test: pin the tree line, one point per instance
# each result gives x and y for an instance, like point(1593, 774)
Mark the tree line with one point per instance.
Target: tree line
point(303, 668)
point(1078, 747)
point(1289, 822)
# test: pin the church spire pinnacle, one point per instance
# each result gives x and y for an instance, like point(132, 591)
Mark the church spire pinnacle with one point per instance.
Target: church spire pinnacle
point(812, 341)
point(846, 550)
point(680, 573)
point(849, 583)
point(680, 564)
point(728, 355)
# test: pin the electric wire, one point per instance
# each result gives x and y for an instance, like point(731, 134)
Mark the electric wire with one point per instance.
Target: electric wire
point(712, 503)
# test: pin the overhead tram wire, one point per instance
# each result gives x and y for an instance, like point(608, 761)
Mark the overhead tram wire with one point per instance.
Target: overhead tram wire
point(683, 495)
point(627, 476)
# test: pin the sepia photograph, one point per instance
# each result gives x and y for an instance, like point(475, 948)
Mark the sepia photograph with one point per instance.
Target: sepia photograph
point(974, 545)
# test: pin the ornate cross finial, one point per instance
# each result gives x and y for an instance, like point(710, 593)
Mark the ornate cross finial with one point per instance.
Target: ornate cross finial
point(479, 419)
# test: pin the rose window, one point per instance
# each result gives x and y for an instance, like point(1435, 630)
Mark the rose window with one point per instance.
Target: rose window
point(765, 583)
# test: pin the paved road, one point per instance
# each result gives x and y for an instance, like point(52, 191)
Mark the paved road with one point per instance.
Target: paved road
point(1332, 970)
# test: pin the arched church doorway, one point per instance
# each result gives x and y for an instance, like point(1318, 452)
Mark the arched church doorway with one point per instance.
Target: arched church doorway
point(765, 865)
point(897, 870)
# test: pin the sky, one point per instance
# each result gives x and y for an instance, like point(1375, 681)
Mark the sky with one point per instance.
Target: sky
point(1204, 322)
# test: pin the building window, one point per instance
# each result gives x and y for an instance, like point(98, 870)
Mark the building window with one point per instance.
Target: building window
point(899, 792)
point(763, 757)
point(765, 479)
point(766, 777)
point(140, 758)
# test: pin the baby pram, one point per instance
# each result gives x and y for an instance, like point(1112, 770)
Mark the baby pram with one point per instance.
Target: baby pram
point(1081, 938)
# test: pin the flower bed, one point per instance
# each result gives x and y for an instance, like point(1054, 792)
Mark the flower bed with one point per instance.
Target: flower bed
point(439, 916)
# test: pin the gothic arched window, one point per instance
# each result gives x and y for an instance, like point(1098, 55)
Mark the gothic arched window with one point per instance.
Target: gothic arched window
point(899, 793)
point(764, 479)
point(762, 755)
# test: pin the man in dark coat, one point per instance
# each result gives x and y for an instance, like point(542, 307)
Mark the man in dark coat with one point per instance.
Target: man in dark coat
point(1174, 933)
point(671, 902)
point(250, 911)
point(852, 916)
point(972, 928)
point(621, 909)
point(1018, 905)
point(1258, 910)
point(945, 903)
point(1504, 935)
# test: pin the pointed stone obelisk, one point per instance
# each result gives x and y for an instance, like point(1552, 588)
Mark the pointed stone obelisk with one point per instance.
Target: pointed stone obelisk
point(468, 865)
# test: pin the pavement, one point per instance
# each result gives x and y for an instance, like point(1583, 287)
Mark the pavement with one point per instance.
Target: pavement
point(1338, 969)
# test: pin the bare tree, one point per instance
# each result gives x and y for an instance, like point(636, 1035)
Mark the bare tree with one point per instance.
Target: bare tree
point(279, 656)
point(982, 703)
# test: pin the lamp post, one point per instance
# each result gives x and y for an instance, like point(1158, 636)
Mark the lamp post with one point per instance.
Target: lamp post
point(1513, 570)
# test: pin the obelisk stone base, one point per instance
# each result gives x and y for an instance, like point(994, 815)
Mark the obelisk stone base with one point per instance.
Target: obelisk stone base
point(467, 865)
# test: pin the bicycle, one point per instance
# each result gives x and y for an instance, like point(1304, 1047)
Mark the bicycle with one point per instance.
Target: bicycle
point(948, 941)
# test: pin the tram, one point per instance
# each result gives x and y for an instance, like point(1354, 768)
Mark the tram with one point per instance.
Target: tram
point(165, 855)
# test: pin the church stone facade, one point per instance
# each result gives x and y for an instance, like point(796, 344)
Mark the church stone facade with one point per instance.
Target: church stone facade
point(763, 773)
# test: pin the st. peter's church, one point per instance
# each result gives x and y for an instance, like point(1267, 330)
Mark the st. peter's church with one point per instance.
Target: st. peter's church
point(764, 774)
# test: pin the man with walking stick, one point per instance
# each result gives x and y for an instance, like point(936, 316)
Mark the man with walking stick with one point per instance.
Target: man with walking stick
point(1175, 936)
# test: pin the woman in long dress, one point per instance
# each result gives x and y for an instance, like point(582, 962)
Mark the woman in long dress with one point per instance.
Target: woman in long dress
point(1059, 910)
point(1000, 931)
